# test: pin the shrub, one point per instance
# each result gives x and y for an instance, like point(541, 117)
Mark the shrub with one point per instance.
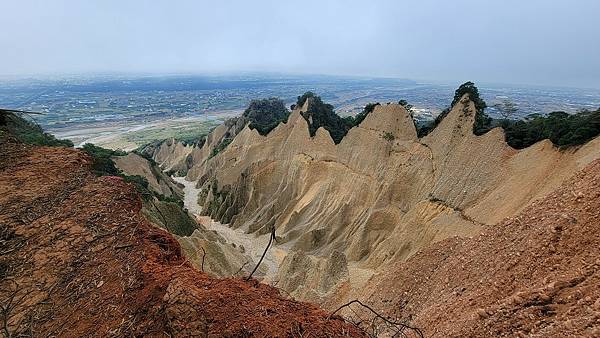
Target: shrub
point(363, 114)
point(102, 164)
point(469, 88)
point(141, 185)
point(303, 98)
point(406, 105)
point(320, 114)
point(389, 136)
point(224, 143)
point(564, 130)
point(423, 128)
point(31, 133)
point(266, 114)
point(482, 124)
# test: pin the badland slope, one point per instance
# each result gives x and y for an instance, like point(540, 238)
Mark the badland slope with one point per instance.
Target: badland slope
point(377, 197)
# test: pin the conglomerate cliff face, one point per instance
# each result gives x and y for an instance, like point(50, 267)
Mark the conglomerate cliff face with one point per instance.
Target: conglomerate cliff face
point(378, 196)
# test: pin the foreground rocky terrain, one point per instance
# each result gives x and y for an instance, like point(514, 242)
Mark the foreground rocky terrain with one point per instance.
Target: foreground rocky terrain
point(78, 259)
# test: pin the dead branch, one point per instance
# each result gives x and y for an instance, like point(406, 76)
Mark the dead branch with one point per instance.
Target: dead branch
point(241, 267)
point(7, 306)
point(203, 255)
point(399, 326)
point(123, 246)
point(271, 238)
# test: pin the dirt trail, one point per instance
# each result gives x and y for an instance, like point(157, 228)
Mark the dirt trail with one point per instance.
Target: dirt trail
point(253, 245)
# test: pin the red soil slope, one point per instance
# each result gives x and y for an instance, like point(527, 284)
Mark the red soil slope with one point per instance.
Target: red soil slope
point(537, 274)
point(77, 259)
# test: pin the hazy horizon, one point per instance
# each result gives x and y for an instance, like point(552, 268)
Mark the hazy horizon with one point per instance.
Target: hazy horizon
point(508, 42)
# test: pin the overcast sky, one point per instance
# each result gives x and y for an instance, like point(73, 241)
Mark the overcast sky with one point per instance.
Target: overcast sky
point(550, 42)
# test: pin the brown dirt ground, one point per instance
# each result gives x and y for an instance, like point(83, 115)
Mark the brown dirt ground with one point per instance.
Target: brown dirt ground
point(534, 275)
point(77, 259)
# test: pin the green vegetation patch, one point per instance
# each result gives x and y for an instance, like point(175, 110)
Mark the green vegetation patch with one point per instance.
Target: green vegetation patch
point(564, 130)
point(188, 132)
point(170, 216)
point(320, 114)
point(482, 124)
point(356, 120)
point(30, 133)
point(220, 147)
point(103, 165)
point(164, 211)
point(266, 114)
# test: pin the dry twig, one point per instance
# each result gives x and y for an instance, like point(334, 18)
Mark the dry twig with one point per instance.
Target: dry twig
point(203, 255)
point(271, 238)
point(399, 327)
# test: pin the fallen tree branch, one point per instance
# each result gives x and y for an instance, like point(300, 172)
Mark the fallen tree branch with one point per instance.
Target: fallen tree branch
point(400, 327)
point(241, 267)
point(271, 238)
point(123, 246)
point(7, 306)
point(203, 255)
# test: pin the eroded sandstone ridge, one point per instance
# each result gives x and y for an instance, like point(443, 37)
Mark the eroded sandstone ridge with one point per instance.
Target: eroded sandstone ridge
point(376, 198)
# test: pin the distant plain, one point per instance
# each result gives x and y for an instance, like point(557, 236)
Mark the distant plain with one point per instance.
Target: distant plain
point(125, 112)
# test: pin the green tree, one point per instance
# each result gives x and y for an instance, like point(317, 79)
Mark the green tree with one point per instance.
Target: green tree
point(564, 130)
point(368, 109)
point(266, 114)
point(507, 109)
point(320, 114)
point(406, 105)
point(482, 124)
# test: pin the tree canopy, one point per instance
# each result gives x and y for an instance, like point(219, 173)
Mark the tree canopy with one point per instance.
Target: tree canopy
point(265, 114)
point(320, 114)
point(356, 120)
point(506, 108)
point(482, 124)
point(564, 130)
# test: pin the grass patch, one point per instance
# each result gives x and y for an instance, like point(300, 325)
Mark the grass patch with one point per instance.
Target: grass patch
point(220, 147)
point(30, 133)
point(187, 132)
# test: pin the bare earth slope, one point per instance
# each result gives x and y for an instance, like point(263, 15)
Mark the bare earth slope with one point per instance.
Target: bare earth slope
point(536, 274)
point(377, 197)
point(79, 260)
